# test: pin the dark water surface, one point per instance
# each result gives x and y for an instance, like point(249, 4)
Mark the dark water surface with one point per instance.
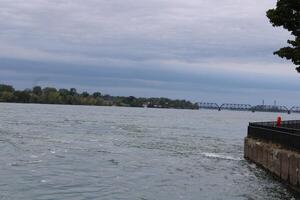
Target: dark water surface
point(77, 152)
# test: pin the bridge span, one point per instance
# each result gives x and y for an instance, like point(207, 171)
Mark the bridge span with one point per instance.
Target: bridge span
point(248, 107)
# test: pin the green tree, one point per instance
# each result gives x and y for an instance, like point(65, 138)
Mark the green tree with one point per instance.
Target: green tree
point(37, 90)
point(97, 94)
point(35, 98)
point(6, 97)
point(47, 90)
point(22, 96)
point(85, 94)
point(6, 88)
point(53, 98)
point(287, 15)
point(73, 91)
point(50, 95)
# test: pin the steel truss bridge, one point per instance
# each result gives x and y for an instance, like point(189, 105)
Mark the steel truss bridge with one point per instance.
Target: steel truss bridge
point(248, 107)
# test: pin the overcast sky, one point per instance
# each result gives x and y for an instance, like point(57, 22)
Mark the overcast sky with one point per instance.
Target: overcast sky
point(202, 50)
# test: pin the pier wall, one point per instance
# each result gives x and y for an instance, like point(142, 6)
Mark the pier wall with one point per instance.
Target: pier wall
point(281, 162)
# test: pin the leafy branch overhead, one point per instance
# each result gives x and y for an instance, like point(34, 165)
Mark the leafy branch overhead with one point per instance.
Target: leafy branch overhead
point(287, 15)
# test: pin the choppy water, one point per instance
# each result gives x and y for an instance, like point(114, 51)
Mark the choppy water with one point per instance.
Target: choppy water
point(78, 152)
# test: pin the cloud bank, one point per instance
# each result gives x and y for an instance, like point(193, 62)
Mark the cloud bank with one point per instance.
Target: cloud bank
point(196, 49)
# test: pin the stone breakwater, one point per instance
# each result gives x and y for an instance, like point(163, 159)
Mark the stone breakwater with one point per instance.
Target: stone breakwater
point(281, 162)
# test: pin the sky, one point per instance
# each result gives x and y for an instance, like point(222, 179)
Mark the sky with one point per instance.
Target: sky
point(201, 50)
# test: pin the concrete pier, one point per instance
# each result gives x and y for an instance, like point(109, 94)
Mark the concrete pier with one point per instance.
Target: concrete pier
point(284, 164)
point(277, 158)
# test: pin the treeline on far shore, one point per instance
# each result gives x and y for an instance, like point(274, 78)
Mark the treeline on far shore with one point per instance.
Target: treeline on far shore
point(50, 95)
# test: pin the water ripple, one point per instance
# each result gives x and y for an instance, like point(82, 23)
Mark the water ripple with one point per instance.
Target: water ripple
point(85, 152)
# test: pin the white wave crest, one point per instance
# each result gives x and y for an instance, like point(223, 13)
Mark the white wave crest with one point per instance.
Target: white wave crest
point(220, 156)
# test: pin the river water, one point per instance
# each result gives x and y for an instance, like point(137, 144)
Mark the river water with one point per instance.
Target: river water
point(81, 152)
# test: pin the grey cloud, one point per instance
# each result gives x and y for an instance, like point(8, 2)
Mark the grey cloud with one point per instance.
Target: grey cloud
point(206, 46)
point(177, 29)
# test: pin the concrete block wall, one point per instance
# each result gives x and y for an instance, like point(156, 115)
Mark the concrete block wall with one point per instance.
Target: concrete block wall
point(283, 163)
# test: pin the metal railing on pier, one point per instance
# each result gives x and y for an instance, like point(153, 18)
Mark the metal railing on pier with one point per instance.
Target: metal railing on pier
point(287, 134)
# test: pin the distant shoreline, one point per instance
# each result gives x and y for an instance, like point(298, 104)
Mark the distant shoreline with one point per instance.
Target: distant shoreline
point(53, 96)
point(113, 106)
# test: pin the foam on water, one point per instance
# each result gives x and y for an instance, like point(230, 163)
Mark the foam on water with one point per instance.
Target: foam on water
point(220, 156)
